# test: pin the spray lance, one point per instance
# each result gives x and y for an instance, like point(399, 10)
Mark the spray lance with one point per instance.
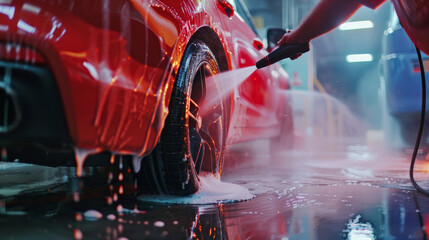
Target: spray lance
point(282, 52)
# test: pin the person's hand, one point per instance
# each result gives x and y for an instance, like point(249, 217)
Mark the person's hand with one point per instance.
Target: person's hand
point(286, 38)
point(290, 38)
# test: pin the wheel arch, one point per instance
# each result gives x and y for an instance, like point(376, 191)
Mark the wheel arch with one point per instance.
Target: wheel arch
point(208, 36)
point(213, 41)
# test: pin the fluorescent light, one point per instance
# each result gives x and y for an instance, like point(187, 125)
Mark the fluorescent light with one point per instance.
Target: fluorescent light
point(356, 25)
point(359, 57)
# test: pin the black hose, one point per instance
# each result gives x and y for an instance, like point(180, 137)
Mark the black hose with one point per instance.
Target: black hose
point(419, 215)
point(421, 125)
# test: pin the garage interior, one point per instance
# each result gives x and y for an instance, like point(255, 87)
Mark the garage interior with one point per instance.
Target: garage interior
point(346, 177)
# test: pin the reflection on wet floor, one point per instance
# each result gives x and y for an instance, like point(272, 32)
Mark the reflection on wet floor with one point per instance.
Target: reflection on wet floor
point(355, 193)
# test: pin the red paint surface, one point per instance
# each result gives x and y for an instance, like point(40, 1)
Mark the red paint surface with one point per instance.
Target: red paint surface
point(414, 17)
point(115, 62)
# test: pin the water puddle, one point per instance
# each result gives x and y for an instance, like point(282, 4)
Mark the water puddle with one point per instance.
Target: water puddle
point(92, 215)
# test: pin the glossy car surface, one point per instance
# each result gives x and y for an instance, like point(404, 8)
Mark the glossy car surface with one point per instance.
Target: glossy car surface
point(95, 78)
point(402, 79)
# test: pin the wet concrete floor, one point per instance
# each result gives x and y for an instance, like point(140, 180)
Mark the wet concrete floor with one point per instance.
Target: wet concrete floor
point(356, 192)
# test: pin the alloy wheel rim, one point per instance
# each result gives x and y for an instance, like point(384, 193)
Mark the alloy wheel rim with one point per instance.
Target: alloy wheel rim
point(205, 122)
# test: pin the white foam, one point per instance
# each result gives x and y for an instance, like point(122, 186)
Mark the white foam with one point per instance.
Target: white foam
point(92, 215)
point(159, 224)
point(212, 191)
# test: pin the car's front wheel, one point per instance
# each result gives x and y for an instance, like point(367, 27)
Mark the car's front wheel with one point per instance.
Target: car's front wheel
point(192, 140)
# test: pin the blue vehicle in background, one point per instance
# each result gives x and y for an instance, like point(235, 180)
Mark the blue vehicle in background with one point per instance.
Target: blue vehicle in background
point(401, 87)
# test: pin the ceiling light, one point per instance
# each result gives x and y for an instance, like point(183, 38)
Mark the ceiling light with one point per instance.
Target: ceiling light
point(359, 57)
point(356, 25)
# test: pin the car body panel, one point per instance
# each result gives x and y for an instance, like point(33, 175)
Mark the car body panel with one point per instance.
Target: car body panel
point(414, 16)
point(115, 62)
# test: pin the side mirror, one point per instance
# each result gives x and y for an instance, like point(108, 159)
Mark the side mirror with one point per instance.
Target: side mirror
point(273, 36)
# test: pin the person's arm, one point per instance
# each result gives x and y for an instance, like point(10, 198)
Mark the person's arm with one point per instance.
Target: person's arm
point(327, 15)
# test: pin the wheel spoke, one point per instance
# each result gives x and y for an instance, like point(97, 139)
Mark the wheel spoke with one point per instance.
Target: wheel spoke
point(207, 146)
point(196, 143)
point(192, 116)
point(194, 107)
point(211, 147)
point(211, 123)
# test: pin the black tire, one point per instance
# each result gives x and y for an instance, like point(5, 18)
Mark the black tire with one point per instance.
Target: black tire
point(190, 142)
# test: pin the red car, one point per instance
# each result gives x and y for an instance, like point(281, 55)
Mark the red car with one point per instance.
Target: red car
point(108, 79)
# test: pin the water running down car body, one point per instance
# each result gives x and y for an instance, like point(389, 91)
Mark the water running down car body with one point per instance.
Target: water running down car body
point(103, 80)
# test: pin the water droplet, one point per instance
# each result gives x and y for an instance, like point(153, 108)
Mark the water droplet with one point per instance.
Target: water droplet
point(81, 155)
point(119, 208)
point(77, 234)
point(76, 196)
point(92, 215)
point(159, 224)
point(137, 163)
point(78, 217)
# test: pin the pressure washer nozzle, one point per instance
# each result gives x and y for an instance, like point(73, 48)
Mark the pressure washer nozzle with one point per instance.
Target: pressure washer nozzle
point(282, 52)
